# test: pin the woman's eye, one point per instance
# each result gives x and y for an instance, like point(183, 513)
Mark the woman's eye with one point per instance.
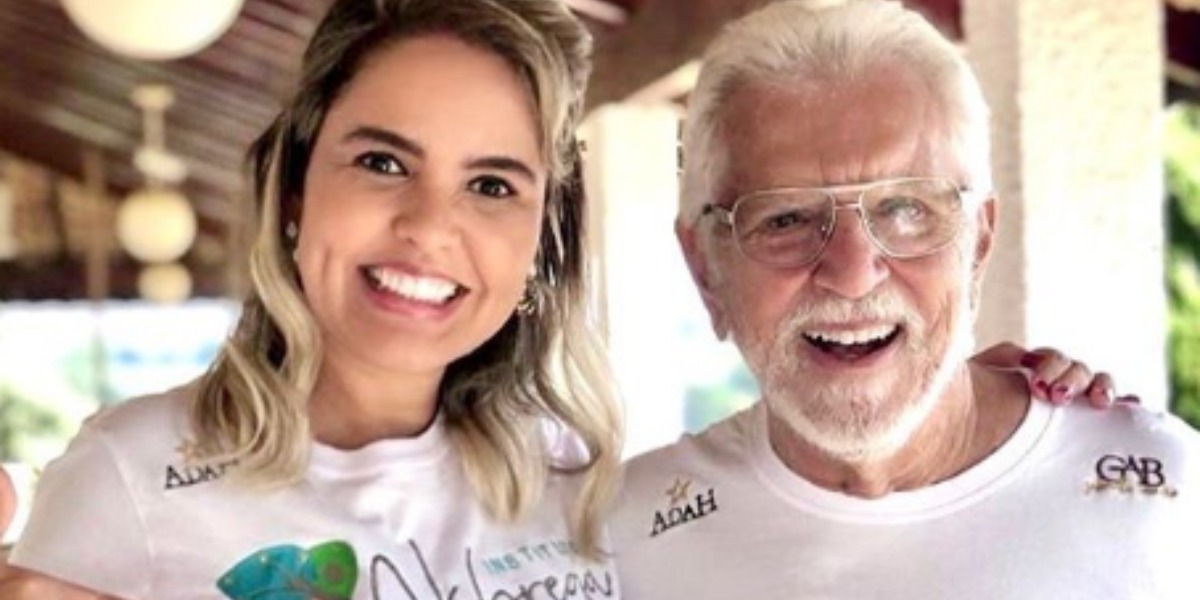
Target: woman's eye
point(379, 162)
point(493, 187)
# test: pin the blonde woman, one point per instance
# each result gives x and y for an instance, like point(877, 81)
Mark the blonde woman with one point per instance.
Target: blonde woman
point(413, 404)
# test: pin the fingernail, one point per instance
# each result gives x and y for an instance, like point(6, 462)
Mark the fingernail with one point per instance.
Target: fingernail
point(1030, 360)
point(1060, 393)
point(1109, 395)
point(1043, 387)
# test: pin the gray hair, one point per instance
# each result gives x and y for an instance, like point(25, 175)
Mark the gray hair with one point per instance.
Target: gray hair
point(802, 41)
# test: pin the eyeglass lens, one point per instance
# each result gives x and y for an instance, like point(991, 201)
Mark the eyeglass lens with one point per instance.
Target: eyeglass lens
point(904, 217)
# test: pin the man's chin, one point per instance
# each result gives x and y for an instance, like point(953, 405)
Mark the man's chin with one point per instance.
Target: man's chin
point(855, 443)
point(865, 447)
point(852, 421)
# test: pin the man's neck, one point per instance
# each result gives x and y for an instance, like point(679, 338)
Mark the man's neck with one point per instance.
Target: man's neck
point(977, 412)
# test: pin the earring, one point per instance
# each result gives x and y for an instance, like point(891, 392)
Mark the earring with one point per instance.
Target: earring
point(531, 300)
point(290, 232)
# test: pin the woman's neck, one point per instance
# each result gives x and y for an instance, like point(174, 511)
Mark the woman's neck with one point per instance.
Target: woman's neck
point(352, 407)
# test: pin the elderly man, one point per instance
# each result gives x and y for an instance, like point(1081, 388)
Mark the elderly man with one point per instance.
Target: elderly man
point(837, 217)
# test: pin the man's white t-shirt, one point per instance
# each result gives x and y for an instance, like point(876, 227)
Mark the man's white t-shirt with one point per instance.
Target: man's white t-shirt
point(128, 511)
point(718, 516)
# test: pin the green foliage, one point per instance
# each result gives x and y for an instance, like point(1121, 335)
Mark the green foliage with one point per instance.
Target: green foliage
point(83, 369)
point(22, 420)
point(704, 405)
point(1183, 258)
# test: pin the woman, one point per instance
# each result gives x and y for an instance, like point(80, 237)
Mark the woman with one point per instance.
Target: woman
point(400, 410)
point(417, 310)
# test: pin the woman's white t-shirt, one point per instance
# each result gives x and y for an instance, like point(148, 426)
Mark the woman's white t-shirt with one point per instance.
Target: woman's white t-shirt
point(129, 511)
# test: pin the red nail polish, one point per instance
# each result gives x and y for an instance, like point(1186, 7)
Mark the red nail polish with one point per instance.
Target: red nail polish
point(1030, 360)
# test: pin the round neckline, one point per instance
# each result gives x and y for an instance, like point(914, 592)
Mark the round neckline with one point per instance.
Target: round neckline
point(945, 497)
point(428, 448)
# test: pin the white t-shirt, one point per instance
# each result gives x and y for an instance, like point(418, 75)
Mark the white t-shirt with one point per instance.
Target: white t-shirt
point(125, 512)
point(719, 516)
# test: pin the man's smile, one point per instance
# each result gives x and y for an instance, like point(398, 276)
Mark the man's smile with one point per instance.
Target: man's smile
point(853, 344)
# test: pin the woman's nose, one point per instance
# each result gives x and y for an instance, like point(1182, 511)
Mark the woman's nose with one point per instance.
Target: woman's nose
point(427, 217)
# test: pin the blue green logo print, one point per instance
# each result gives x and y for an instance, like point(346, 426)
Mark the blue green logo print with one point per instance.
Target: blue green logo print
point(327, 571)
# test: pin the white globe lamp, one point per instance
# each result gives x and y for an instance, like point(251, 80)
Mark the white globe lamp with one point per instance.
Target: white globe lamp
point(153, 29)
point(156, 225)
point(165, 283)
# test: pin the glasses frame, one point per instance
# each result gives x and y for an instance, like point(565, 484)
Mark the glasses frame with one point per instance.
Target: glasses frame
point(728, 215)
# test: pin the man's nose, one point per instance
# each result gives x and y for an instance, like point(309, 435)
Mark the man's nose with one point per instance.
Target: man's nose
point(851, 266)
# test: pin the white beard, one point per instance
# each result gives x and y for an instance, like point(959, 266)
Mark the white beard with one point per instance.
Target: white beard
point(870, 416)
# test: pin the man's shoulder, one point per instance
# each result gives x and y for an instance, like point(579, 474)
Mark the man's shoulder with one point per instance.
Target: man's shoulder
point(1129, 440)
point(728, 440)
point(696, 462)
point(1130, 424)
point(681, 483)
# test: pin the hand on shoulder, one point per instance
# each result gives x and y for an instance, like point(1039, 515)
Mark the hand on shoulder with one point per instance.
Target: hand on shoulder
point(8, 501)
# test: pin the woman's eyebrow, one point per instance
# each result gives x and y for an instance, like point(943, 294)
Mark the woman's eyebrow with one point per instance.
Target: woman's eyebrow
point(384, 136)
point(504, 163)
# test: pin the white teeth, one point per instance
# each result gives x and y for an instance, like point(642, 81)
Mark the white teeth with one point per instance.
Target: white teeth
point(847, 337)
point(424, 289)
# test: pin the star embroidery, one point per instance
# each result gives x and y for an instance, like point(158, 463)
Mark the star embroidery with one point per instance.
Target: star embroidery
point(188, 450)
point(680, 491)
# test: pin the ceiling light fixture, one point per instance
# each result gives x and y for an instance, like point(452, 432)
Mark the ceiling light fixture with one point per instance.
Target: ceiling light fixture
point(153, 29)
point(156, 224)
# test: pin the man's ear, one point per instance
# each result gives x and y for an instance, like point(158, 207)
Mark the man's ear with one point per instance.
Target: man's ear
point(985, 225)
point(697, 263)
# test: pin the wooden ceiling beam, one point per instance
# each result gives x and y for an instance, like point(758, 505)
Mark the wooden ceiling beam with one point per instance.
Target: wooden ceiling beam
point(62, 153)
point(56, 134)
point(663, 35)
point(194, 80)
point(65, 278)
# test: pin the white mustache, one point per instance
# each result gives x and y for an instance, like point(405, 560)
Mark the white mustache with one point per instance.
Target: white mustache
point(886, 305)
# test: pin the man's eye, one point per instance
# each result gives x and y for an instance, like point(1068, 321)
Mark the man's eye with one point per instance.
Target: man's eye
point(379, 162)
point(493, 187)
point(902, 208)
point(787, 221)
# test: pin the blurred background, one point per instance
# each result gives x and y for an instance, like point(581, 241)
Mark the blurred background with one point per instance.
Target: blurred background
point(124, 218)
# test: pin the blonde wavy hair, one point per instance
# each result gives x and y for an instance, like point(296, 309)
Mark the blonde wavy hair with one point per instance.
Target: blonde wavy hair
point(252, 405)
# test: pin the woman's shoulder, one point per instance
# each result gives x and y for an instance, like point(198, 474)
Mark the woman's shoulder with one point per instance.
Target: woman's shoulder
point(116, 466)
point(146, 415)
point(135, 430)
